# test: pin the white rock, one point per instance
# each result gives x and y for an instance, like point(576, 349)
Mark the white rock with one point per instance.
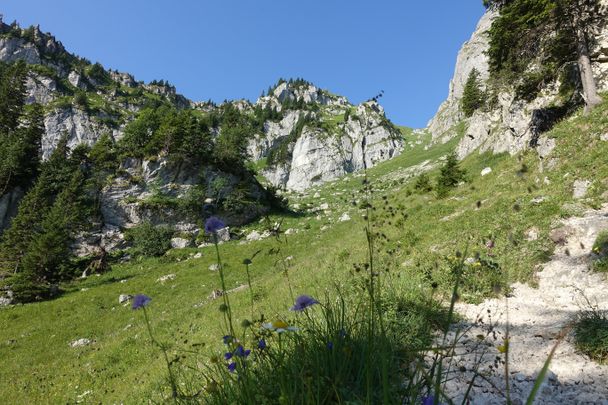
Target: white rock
point(179, 243)
point(214, 267)
point(254, 236)
point(604, 137)
point(168, 277)
point(324, 206)
point(486, 171)
point(223, 235)
point(345, 217)
point(81, 342)
point(122, 298)
point(580, 188)
point(198, 255)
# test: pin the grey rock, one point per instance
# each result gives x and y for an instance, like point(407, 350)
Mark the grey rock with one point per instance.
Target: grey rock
point(164, 279)
point(580, 188)
point(223, 235)
point(486, 171)
point(214, 267)
point(180, 243)
point(122, 298)
point(81, 342)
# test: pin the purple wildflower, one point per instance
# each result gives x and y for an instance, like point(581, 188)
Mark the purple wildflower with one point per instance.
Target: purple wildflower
point(342, 333)
point(227, 356)
point(303, 302)
point(241, 352)
point(214, 224)
point(262, 344)
point(232, 367)
point(429, 400)
point(330, 345)
point(140, 301)
point(227, 339)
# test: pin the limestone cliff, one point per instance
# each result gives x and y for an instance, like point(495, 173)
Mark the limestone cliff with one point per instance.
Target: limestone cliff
point(508, 125)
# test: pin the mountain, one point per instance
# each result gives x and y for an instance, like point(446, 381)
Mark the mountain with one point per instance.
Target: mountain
point(148, 155)
point(518, 111)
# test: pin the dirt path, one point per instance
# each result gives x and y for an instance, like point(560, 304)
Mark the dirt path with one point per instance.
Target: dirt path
point(536, 316)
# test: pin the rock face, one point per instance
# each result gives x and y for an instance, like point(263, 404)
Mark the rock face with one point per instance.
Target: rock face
point(510, 125)
point(361, 137)
point(76, 124)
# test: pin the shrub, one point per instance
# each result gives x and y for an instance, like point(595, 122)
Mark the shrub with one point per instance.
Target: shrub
point(600, 249)
point(450, 175)
point(591, 335)
point(423, 183)
point(150, 240)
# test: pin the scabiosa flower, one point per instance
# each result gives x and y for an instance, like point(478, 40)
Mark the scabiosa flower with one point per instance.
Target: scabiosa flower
point(232, 367)
point(227, 339)
point(140, 301)
point(429, 400)
point(241, 352)
point(227, 356)
point(214, 224)
point(303, 302)
point(262, 344)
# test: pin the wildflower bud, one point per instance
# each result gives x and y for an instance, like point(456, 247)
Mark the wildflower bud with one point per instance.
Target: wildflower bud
point(223, 308)
point(245, 323)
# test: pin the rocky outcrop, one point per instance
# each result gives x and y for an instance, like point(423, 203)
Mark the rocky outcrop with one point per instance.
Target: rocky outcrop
point(78, 125)
point(512, 124)
point(360, 137)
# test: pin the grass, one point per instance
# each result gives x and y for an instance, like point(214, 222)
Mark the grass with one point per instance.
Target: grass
point(600, 249)
point(420, 235)
point(591, 335)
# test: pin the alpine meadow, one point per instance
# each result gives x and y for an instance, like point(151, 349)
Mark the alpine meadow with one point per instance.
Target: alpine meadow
point(302, 248)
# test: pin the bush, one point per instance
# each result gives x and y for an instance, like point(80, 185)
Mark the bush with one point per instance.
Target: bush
point(150, 240)
point(600, 249)
point(591, 335)
point(450, 175)
point(423, 183)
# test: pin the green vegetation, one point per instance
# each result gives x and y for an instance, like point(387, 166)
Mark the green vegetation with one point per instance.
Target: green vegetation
point(473, 96)
point(540, 40)
point(600, 248)
point(422, 234)
point(150, 240)
point(450, 175)
point(591, 335)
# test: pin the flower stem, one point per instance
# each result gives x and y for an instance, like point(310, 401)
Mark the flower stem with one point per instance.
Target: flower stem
point(162, 348)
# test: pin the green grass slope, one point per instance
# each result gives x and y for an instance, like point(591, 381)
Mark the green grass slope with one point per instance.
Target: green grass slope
point(420, 233)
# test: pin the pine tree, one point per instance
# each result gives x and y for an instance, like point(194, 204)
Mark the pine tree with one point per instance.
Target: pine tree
point(472, 96)
point(556, 32)
point(450, 175)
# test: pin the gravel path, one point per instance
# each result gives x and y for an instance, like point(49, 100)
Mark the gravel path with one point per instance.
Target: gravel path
point(537, 316)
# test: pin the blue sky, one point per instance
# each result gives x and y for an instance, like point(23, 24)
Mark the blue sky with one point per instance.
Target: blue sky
point(230, 49)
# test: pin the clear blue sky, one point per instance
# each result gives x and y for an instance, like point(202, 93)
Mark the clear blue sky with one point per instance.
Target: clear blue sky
point(230, 49)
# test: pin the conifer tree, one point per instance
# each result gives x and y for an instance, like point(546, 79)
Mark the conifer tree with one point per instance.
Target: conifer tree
point(473, 96)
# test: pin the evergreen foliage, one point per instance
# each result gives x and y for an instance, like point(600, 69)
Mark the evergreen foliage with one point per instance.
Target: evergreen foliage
point(450, 175)
point(34, 250)
point(532, 42)
point(473, 96)
point(150, 240)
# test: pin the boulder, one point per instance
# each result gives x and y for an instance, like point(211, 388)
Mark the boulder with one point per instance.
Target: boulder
point(580, 188)
point(123, 298)
point(486, 171)
point(81, 342)
point(180, 243)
